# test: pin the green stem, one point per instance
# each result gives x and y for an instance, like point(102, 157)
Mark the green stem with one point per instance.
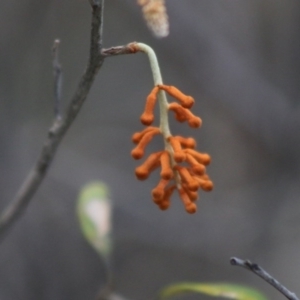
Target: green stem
point(162, 99)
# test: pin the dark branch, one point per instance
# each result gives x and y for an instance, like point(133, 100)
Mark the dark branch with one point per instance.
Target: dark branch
point(57, 72)
point(59, 126)
point(256, 269)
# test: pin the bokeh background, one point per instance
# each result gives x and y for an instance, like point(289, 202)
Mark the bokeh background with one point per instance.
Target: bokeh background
point(240, 60)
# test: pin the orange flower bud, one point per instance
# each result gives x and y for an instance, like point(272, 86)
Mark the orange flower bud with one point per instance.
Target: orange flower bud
point(166, 170)
point(192, 195)
point(202, 158)
point(205, 184)
point(138, 151)
point(190, 207)
point(158, 192)
point(147, 117)
point(193, 121)
point(188, 179)
point(136, 137)
point(185, 101)
point(152, 162)
point(179, 155)
point(186, 142)
point(165, 202)
point(197, 168)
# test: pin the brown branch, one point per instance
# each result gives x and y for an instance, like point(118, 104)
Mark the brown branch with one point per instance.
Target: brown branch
point(59, 126)
point(259, 271)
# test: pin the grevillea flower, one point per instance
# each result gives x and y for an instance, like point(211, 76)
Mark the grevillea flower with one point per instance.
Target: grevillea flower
point(182, 167)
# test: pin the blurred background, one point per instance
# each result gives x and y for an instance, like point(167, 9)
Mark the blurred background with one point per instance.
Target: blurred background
point(240, 60)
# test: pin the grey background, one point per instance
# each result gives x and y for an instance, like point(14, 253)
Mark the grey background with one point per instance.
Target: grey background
point(240, 60)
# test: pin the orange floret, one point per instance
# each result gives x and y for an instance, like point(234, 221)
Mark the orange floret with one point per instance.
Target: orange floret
point(166, 170)
point(186, 142)
point(165, 202)
point(187, 178)
point(197, 167)
point(179, 155)
point(138, 151)
point(185, 101)
point(159, 191)
point(152, 162)
point(147, 117)
point(205, 184)
point(190, 207)
point(136, 137)
point(193, 121)
point(202, 158)
point(192, 195)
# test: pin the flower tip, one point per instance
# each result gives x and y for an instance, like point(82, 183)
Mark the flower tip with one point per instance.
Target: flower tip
point(137, 153)
point(199, 169)
point(147, 119)
point(207, 186)
point(195, 122)
point(157, 194)
point(164, 205)
point(188, 102)
point(190, 143)
point(206, 159)
point(141, 173)
point(193, 185)
point(136, 137)
point(191, 208)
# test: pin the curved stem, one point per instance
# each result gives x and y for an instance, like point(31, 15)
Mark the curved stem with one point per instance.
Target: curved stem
point(157, 78)
point(163, 104)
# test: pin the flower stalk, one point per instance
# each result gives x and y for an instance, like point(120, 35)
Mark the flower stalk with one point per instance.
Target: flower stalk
point(186, 178)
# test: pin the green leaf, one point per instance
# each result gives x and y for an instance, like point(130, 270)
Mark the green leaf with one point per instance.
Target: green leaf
point(225, 290)
point(94, 213)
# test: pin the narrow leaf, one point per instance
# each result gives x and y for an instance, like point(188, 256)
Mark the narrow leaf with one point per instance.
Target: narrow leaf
point(225, 290)
point(94, 213)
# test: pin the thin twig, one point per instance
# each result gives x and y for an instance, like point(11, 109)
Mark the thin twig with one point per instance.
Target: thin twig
point(120, 50)
point(59, 127)
point(259, 271)
point(57, 72)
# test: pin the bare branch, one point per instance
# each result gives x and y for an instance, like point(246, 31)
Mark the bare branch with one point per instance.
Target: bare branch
point(59, 126)
point(57, 72)
point(256, 269)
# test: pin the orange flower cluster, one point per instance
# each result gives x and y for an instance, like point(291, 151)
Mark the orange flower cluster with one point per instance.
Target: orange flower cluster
point(186, 178)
